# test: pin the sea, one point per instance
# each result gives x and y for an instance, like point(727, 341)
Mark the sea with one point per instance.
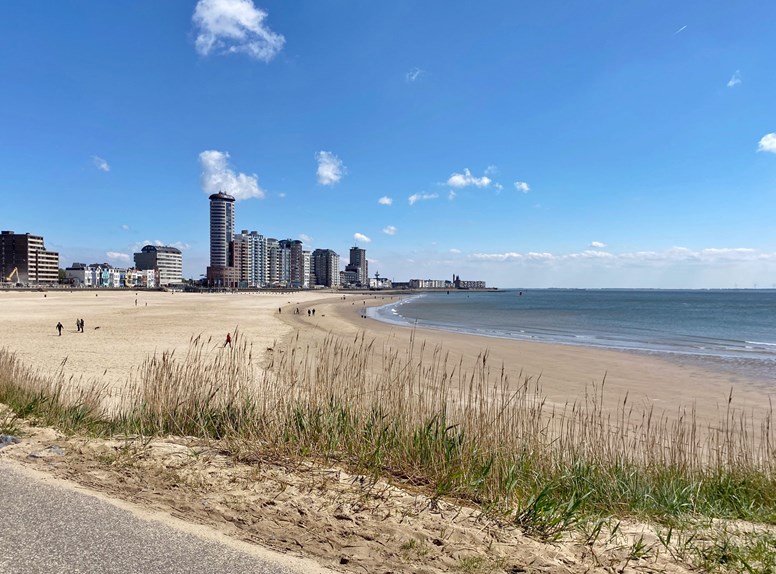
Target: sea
point(732, 329)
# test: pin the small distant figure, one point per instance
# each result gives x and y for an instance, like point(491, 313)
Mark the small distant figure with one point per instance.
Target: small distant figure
point(308, 312)
point(78, 325)
point(297, 310)
point(82, 325)
point(280, 310)
point(228, 342)
point(59, 328)
point(135, 302)
point(313, 312)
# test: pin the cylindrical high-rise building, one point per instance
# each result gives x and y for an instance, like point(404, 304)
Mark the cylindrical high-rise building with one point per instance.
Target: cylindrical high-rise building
point(221, 229)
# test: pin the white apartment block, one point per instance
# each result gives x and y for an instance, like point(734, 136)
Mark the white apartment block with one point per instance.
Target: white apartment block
point(166, 262)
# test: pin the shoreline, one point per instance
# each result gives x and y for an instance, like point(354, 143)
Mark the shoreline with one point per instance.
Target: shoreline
point(120, 335)
point(567, 373)
point(755, 369)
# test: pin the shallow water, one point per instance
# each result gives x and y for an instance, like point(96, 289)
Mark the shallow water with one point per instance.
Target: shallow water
point(735, 329)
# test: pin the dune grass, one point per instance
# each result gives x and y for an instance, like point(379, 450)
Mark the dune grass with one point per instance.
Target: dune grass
point(457, 431)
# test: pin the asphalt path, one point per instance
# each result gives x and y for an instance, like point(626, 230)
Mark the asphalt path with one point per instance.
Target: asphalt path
point(51, 526)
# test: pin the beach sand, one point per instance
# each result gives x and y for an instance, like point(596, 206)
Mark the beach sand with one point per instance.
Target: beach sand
point(119, 335)
point(566, 372)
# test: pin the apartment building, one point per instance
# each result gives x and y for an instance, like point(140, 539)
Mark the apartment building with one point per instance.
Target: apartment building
point(358, 268)
point(325, 264)
point(24, 259)
point(221, 271)
point(166, 262)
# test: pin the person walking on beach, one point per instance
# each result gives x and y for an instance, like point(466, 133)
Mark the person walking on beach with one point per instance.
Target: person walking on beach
point(228, 340)
point(82, 325)
point(59, 328)
point(77, 325)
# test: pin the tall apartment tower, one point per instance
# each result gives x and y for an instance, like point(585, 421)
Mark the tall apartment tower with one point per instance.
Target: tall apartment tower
point(359, 265)
point(221, 271)
point(325, 264)
point(250, 258)
point(221, 229)
point(306, 269)
point(24, 259)
point(292, 263)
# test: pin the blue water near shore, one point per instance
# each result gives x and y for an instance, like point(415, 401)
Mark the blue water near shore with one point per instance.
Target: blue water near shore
point(735, 328)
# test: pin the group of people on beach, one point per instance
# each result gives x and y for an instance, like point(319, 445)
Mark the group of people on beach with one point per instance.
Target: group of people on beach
point(79, 326)
point(310, 312)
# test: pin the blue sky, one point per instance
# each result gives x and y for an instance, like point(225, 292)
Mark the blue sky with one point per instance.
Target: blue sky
point(528, 144)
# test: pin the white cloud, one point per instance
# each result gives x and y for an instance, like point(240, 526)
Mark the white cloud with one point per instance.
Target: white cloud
point(451, 195)
point(125, 227)
point(118, 256)
point(217, 176)
point(672, 255)
point(597, 245)
point(466, 179)
point(735, 79)
point(389, 230)
point(680, 30)
point(522, 186)
point(361, 238)
point(100, 163)
point(767, 143)
point(415, 197)
point(498, 186)
point(455, 251)
point(414, 75)
point(234, 26)
point(330, 168)
point(385, 200)
point(304, 238)
point(491, 170)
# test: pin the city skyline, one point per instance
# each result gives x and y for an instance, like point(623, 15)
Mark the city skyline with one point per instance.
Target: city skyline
point(521, 144)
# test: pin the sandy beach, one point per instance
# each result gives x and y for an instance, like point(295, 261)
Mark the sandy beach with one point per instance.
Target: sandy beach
point(348, 522)
point(122, 328)
point(566, 372)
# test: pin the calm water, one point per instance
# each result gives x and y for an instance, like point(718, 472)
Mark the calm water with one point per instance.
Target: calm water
point(736, 328)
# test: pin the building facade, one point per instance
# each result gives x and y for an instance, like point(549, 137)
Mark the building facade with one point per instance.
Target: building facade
point(221, 272)
point(325, 264)
point(292, 263)
point(358, 267)
point(167, 263)
point(307, 269)
point(104, 275)
point(24, 259)
point(272, 277)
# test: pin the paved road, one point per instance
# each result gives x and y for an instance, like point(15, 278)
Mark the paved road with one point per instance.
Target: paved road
point(47, 526)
